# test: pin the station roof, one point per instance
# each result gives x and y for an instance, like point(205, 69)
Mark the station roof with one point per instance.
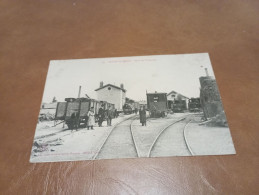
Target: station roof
point(124, 90)
point(174, 92)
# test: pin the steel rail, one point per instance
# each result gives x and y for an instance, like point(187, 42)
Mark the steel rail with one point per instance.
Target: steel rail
point(132, 136)
point(160, 133)
point(49, 135)
point(185, 139)
point(105, 140)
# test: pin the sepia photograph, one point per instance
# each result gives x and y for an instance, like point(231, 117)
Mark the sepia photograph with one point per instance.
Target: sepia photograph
point(131, 107)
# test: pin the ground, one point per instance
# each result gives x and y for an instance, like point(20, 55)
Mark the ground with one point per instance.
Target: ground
point(62, 144)
point(177, 134)
point(209, 140)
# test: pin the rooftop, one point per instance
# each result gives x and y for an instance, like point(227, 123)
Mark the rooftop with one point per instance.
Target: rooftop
point(174, 92)
point(111, 86)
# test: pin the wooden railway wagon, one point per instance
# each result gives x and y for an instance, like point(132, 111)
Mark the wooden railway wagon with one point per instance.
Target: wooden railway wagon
point(74, 111)
point(157, 104)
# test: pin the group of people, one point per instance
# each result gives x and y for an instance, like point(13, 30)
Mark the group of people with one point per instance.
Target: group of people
point(103, 115)
point(89, 119)
point(108, 114)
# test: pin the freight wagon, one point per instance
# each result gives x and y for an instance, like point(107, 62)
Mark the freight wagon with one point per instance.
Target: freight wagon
point(74, 111)
point(157, 104)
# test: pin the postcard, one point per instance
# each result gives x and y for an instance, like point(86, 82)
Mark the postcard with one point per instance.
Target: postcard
point(131, 107)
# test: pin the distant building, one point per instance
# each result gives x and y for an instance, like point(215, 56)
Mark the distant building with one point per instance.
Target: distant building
point(173, 96)
point(52, 105)
point(48, 109)
point(112, 94)
point(143, 103)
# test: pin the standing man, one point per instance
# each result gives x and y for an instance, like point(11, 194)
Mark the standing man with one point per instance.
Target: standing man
point(100, 116)
point(109, 116)
point(115, 113)
point(142, 116)
point(77, 121)
point(91, 120)
point(72, 121)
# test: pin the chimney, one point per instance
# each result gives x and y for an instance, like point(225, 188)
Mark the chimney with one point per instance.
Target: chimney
point(122, 86)
point(207, 73)
point(101, 84)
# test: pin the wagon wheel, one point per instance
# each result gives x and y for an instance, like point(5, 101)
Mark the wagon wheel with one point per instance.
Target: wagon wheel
point(85, 122)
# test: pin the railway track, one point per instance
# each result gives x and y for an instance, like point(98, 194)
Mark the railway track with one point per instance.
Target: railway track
point(49, 135)
point(120, 142)
point(172, 141)
point(55, 136)
point(185, 138)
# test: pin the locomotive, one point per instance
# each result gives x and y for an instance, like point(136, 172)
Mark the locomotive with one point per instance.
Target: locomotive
point(128, 109)
point(179, 106)
point(194, 105)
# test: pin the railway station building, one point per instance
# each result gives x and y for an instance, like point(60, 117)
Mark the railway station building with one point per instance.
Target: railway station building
point(174, 96)
point(112, 94)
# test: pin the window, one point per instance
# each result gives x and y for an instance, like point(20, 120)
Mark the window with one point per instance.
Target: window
point(156, 99)
point(109, 88)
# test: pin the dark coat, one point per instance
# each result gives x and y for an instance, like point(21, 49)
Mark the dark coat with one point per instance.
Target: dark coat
point(110, 113)
point(101, 113)
point(143, 116)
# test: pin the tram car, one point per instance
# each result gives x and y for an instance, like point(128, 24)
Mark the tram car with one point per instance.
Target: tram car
point(157, 104)
point(74, 110)
point(128, 109)
point(179, 106)
point(194, 105)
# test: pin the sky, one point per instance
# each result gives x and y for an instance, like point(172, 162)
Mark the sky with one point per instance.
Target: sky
point(161, 73)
